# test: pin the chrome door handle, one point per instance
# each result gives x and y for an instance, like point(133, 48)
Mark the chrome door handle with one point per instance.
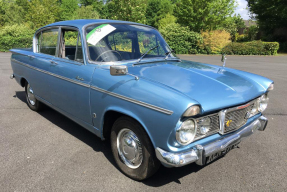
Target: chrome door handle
point(53, 62)
point(79, 78)
point(31, 56)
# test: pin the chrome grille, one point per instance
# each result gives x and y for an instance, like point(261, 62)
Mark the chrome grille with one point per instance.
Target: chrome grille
point(238, 118)
point(214, 126)
point(238, 115)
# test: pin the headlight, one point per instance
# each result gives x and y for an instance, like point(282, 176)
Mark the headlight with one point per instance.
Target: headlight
point(271, 87)
point(186, 133)
point(263, 102)
point(204, 125)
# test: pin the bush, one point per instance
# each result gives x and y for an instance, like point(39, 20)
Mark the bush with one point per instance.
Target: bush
point(242, 38)
point(181, 39)
point(252, 32)
point(15, 36)
point(251, 48)
point(214, 41)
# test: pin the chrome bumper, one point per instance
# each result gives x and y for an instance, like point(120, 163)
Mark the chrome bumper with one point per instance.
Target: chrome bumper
point(200, 152)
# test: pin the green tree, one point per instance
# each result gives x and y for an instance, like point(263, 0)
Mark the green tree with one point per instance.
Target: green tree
point(127, 10)
point(86, 12)
point(181, 39)
point(23, 3)
point(232, 24)
point(68, 8)
point(168, 19)
point(42, 12)
point(270, 15)
point(157, 10)
point(203, 14)
point(11, 13)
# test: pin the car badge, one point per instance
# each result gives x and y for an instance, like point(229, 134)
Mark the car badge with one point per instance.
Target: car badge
point(228, 123)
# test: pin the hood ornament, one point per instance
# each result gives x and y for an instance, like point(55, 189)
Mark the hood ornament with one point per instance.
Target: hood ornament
point(223, 59)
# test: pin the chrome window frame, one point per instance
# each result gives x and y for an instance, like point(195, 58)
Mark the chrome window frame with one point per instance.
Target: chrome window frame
point(59, 39)
point(35, 40)
point(59, 32)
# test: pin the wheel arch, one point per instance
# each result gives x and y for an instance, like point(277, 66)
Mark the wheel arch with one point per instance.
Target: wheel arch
point(111, 115)
point(23, 81)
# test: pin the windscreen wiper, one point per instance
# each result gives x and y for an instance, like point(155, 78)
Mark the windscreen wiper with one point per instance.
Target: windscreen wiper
point(168, 54)
point(146, 53)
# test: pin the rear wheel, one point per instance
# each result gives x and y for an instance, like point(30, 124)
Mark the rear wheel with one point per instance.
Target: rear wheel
point(132, 149)
point(32, 102)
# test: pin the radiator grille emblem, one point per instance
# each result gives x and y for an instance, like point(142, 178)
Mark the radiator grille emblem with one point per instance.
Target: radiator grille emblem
point(228, 123)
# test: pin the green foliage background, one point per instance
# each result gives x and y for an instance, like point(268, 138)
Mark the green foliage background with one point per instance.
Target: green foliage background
point(181, 22)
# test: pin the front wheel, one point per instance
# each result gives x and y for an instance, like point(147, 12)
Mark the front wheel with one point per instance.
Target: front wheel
point(132, 149)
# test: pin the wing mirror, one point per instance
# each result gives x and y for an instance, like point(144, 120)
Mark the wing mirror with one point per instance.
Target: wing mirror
point(117, 70)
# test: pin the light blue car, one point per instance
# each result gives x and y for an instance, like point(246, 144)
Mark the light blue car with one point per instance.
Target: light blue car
point(121, 81)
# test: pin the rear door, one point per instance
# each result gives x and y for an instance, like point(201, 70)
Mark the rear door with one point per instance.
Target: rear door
point(41, 60)
point(70, 89)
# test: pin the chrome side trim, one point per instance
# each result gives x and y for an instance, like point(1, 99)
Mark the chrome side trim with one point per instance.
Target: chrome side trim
point(162, 110)
point(153, 107)
point(52, 74)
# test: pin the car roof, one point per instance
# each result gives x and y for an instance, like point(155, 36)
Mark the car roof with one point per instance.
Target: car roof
point(82, 22)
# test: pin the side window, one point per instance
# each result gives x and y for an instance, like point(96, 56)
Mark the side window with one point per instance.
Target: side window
point(47, 42)
point(71, 46)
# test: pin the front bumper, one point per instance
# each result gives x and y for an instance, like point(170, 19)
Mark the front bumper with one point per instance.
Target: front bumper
point(200, 152)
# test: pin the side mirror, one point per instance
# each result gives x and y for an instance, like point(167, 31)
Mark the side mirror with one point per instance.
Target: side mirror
point(117, 70)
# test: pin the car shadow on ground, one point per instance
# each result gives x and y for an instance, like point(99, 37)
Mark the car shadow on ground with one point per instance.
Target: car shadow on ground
point(162, 177)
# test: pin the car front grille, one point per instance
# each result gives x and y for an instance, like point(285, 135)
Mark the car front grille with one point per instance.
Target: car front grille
point(237, 118)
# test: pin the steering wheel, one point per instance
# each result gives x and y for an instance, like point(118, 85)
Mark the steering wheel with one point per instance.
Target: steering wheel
point(120, 56)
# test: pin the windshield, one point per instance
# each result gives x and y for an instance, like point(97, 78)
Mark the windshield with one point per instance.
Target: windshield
point(119, 42)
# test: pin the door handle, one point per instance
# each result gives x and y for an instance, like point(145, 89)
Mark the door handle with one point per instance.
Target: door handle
point(53, 62)
point(79, 78)
point(31, 56)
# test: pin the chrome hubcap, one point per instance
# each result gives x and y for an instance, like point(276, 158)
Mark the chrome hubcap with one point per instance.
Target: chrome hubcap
point(31, 96)
point(129, 148)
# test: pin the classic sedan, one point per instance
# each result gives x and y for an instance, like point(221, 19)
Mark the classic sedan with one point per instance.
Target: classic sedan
point(121, 81)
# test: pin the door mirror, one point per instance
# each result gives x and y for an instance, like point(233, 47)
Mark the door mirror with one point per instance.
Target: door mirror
point(117, 70)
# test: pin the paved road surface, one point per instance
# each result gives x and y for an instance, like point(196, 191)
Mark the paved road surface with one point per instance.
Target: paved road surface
point(48, 152)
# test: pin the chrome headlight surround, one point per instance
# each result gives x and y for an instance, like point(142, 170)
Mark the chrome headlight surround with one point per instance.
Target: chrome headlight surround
point(185, 134)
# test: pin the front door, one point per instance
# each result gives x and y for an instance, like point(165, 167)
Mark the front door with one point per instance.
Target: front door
point(70, 90)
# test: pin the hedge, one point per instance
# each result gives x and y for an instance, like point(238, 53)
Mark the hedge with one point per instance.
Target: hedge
point(251, 48)
point(15, 36)
point(181, 39)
